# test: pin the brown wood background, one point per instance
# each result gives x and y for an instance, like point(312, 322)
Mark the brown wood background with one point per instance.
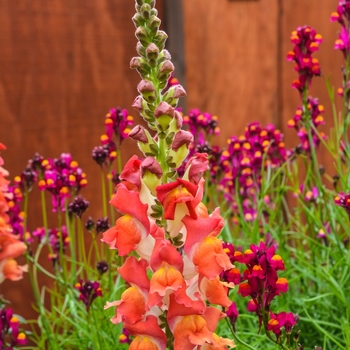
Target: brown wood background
point(64, 63)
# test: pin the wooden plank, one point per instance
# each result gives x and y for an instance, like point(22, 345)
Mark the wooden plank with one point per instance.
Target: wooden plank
point(63, 65)
point(231, 58)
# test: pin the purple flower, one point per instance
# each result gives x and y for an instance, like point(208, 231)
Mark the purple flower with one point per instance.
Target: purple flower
point(89, 291)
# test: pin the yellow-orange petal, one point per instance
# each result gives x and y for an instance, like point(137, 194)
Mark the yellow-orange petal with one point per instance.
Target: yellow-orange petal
point(131, 308)
point(143, 343)
point(190, 331)
point(210, 258)
point(215, 291)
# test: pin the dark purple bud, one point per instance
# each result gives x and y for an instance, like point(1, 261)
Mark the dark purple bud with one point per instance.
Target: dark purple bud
point(89, 224)
point(102, 267)
point(100, 155)
point(78, 206)
point(102, 225)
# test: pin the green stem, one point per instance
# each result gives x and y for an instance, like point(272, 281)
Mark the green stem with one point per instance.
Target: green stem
point(235, 336)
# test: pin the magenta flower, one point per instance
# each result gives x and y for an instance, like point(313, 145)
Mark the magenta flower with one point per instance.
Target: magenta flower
point(314, 113)
point(306, 41)
point(10, 335)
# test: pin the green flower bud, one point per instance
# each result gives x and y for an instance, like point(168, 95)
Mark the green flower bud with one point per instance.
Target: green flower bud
point(147, 90)
point(141, 35)
point(164, 114)
point(142, 107)
point(138, 20)
point(145, 141)
point(173, 94)
point(160, 39)
point(151, 173)
point(141, 65)
point(152, 52)
point(145, 11)
point(153, 24)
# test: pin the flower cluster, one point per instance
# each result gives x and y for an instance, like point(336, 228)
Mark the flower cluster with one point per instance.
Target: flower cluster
point(260, 282)
point(201, 125)
point(117, 123)
point(89, 291)
point(343, 200)
point(314, 115)
point(10, 335)
point(10, 246)
point(176, 277)
point(63, 178)
point(306, 41)
point(242, 163)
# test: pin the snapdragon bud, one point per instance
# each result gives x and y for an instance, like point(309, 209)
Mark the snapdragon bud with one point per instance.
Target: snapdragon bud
point(145, 141)
point(142, 35)
point(176, 123)
point(147, 90)
point(153, 24)
point(173, 94)
point(164, 114)
point(160, 39)
point(140, 65)
point(142, 107)
point(179, 148)
point(151, 173)
point(152, 51)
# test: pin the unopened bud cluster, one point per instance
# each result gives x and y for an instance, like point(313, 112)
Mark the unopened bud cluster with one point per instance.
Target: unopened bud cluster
point(156, 103)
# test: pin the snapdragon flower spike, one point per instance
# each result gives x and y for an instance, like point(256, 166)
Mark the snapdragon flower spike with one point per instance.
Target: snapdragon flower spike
point(177, 271)
point(306, 41)
point(89, 291)
point(10, 334)
point(314, 114)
